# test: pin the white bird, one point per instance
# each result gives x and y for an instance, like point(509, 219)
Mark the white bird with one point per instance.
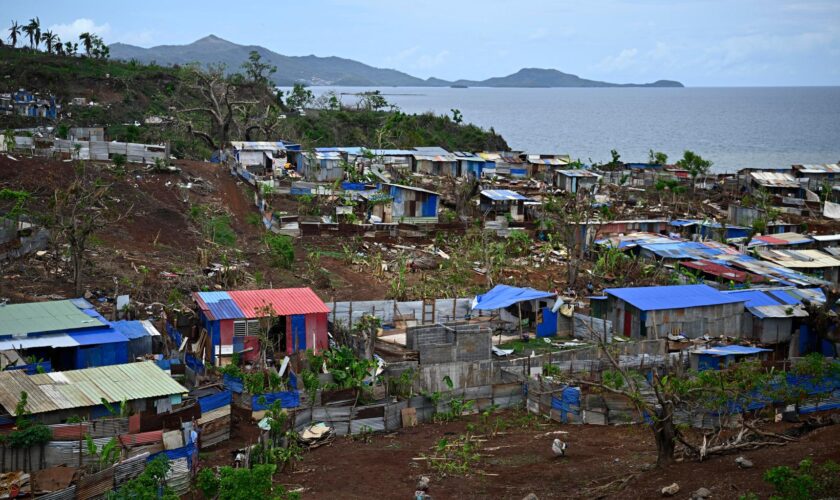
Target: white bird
point(559, 448)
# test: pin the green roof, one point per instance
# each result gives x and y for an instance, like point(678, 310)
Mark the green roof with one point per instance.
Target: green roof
point(34, 317)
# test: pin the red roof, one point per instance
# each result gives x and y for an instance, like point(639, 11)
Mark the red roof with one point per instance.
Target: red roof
point(141, 438)
point(722, 271)
point(283, 302)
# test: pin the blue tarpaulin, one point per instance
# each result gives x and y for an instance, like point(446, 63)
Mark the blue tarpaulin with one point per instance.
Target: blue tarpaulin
point(568, 403)
point(502, 296)
point(130, 329)
point(233, 384)
point(214, 401)
point(187, 452)
point(288, 399)
point(32, 368)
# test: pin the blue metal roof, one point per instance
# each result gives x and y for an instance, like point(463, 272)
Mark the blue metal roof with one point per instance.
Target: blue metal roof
point(729, 350)
point(684, 222)
point(220, 305)
point(108, 336)
point(785, 297)
point(651, 298)
point(503, 195)
point(130, 329)
point(754, 298)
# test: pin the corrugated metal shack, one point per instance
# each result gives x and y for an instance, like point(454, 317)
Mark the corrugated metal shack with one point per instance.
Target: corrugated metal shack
point(435, 161)
point(656, 311)
point(234, 319)
point(104, 151)
point(571, 181)
point(503, 201)
point(55, 397)
point(411, 204)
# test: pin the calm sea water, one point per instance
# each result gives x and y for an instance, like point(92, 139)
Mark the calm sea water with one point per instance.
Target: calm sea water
point(733, 127)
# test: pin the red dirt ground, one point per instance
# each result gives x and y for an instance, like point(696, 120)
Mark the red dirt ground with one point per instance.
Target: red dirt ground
point(382, 466)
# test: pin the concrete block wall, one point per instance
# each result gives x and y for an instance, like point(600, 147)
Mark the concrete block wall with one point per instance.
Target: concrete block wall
point(419, 336)
point(437, 353)
point(473, 346)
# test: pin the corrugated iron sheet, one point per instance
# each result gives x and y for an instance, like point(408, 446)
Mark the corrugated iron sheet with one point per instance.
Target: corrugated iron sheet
point(178, 477)
point(129, 469)
point(40, 317)
point(95, 485)
point(65, 494)
point(87, 387)
point(648, 298)
point(283, 302)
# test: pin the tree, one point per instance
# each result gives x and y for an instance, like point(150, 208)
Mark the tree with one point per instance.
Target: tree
point(49, 39)
point(657, 157)
point(256, 70)
point(372, 101)
point(149, 485)
point(14, 33)
point(457, 117)
point(78, 211)
point(300, 97)
point(87, 41)
point(241, 484)
point(29, 30)
point(70, 48)
point(218, 105)
point(661, 393)
point(695, 164)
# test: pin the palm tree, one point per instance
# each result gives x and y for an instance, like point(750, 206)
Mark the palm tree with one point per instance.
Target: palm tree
point(14, 33)
point(87, 41)
point(49, 39)
point(29, 31)
point(59, 49)
point(68, 48)
point(37, 24)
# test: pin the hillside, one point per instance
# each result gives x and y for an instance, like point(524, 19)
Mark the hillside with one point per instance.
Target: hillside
point(537, 77)
point(128, 92)
point(336, 71)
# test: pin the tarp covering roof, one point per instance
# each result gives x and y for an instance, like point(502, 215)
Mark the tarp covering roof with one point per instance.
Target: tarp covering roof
point(107, 336)
point(88, 387)
point(36, 317)
point(252, 304)
point(503, 195)
point(729, 350)
point(651, 298)
point(502, 296)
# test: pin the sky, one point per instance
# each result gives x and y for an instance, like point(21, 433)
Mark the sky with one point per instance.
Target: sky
point(698, 42)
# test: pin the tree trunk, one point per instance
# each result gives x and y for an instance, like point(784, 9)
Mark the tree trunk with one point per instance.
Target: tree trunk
point(665, 434)
point(76, 258)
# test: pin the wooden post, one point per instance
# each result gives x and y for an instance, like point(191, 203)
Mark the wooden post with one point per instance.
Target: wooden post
point(519, 311)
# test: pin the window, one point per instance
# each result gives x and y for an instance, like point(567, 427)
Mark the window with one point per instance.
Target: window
point(242, 327)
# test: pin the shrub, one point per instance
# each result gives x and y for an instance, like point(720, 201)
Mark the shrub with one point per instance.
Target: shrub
point(281, 251)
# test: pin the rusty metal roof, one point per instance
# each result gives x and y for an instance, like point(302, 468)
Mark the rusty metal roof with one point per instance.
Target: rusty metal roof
point(88, 387)
point(775, 179)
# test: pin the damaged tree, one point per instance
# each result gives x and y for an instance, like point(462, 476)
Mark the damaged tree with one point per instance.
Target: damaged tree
point(78, 211)
point(219, 104)
point(729, 394)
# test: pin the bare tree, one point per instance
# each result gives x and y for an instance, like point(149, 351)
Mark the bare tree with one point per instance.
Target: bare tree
point(80, 209)
point(219, 104)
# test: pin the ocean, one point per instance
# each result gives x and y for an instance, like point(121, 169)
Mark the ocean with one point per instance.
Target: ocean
point(733, 127)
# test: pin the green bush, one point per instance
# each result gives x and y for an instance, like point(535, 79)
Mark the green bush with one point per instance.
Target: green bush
point(805, 482)
point(281, 250)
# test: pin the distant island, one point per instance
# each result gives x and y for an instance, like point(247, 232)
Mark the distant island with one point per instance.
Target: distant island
point(337, 71)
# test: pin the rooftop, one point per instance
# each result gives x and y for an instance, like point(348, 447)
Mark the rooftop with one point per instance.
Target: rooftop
point(652, 298)
point(503, 195)
point(82, 388)
point(800, 259)
point(253, 304)
point(43, 317)
point(775, 179)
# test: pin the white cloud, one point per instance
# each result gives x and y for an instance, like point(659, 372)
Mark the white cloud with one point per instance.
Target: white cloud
point(623, 60)
point(71, 31)
point(427, 61)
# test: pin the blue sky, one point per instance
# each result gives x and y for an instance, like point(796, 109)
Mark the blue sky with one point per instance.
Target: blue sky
point(699, 42)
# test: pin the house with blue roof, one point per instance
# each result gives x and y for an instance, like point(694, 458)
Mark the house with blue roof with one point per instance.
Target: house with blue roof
point(654, 312)
point(70, 335)
point(720, 357)
point(503, 202)
point(771, 315)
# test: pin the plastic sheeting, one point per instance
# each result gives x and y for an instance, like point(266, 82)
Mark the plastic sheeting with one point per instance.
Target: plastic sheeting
point(288, 399)
point(502, 296)
point(209, 403)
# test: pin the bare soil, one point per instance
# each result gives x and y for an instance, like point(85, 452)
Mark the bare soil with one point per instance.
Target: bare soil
point(519, 461)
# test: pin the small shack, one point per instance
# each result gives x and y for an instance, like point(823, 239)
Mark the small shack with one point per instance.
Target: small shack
point(571, 181)
point(720, 357)
point(654, 312)
point(814, 262)
point(293, 320)
point(70, 334)
point(435, 161)
point(780, 183)
point(503, 202)
point(470, 165)
point(323, 165)
point(516, 305)
point(411, 204)
point(55, 397)
point(770, 315)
